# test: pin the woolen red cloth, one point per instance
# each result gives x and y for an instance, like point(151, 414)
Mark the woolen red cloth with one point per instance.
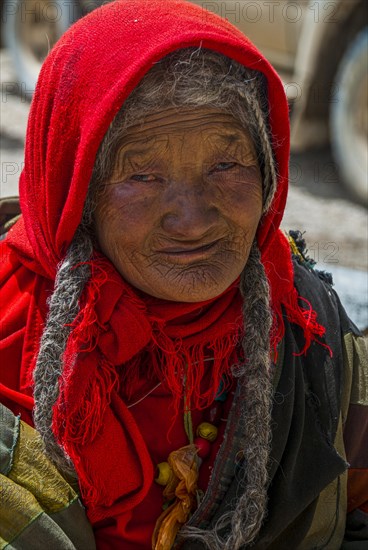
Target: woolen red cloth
point(82, 85)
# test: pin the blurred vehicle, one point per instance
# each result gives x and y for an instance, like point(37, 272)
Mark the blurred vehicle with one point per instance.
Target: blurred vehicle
point(31, 27)
point(319, 47)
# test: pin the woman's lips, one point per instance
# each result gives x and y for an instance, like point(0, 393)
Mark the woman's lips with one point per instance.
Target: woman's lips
point(188, 253)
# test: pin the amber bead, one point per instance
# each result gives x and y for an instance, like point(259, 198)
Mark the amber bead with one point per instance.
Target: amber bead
point(163, 473)
point(203, 446)
point(207, 431)
point(214, 413)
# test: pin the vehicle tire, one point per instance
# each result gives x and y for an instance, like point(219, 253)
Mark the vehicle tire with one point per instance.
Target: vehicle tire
point(349, 118)
point(30, 29)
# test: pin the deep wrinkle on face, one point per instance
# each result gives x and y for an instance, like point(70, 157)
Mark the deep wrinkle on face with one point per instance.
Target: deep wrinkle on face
point(180, 212)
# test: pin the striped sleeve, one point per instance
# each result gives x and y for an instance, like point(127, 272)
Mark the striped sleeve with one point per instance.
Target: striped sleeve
point(38, 507)
point(355, 420)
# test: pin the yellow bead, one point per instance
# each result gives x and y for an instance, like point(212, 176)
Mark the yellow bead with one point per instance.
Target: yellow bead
point(164, 473)
point(207, 431)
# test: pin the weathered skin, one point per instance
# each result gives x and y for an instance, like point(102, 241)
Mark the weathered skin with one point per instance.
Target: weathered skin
point(180, 212)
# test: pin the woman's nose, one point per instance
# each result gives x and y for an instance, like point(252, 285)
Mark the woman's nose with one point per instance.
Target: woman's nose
point(189, 213)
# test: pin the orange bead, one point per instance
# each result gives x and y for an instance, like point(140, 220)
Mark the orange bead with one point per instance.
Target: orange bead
point(207, 431)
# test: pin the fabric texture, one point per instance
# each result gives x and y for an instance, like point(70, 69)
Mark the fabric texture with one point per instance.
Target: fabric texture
point(38, 507)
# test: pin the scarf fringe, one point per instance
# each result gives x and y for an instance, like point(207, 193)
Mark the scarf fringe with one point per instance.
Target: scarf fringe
point(183, 369)
point(304, 317)
point(81, 426)
point(80, 408)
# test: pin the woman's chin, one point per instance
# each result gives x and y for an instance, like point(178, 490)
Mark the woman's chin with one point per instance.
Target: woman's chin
point(191, 286)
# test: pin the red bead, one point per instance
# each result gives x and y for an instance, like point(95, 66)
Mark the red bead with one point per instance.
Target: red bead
point(203, 446)
point(214, 413)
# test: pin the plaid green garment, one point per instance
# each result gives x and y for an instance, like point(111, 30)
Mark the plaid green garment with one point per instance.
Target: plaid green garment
point(38, 507)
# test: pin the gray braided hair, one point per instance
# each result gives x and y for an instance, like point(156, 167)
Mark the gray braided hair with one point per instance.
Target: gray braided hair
point(188, 77)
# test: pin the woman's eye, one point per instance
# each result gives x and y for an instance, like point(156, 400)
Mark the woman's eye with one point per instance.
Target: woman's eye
point(144, 178)
point(223, 166)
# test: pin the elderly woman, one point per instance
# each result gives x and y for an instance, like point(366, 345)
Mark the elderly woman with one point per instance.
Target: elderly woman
point(189, 373)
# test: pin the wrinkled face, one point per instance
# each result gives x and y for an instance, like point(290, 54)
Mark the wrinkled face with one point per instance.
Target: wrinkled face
point(180, 212)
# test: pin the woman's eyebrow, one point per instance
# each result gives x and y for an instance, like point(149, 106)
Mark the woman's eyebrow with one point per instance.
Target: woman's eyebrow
point(228, 138)
point(141, 145)
point(132, 160)
point(231, 143)
point(231, 138)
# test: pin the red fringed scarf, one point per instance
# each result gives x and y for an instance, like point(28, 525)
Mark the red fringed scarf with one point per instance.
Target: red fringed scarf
point(83, 83)
point(116, 327)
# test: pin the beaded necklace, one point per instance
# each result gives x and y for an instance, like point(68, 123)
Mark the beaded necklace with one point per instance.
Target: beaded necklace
point(179, 474)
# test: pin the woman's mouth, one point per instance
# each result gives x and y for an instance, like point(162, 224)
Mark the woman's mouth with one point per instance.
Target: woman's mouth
point(190, 252)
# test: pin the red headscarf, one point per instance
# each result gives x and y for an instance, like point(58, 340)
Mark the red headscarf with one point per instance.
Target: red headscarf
point(82, 85)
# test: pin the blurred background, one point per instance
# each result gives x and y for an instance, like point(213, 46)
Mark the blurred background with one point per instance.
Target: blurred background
point(320, 49)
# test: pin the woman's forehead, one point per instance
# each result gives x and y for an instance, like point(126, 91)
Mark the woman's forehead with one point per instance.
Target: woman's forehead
point(205, 122)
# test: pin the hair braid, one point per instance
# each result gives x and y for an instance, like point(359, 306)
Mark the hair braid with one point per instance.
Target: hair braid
point(73, 273)
point(251, 93)
point(255, 379)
